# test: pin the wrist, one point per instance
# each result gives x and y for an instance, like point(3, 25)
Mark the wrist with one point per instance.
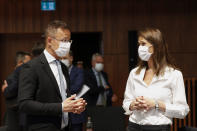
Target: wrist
point(131, 106)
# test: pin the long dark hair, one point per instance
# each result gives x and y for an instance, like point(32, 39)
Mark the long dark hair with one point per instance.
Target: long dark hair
point(161, 57)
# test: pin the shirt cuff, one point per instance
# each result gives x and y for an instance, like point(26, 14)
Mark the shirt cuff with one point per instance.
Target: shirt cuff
point(127, 110)
point(167, 110)
point(176, 112)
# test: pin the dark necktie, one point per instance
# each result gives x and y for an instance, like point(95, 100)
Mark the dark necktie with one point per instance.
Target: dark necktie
point(103, 97)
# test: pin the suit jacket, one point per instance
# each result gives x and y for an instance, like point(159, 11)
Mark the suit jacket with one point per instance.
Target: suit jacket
point(76, 83)
point(39, 94)
point(11, 92)
point(95, 90)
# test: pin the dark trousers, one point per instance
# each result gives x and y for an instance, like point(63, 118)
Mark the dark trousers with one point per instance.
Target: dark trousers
point(46, 127)
point(135, 127)
point(77, 127)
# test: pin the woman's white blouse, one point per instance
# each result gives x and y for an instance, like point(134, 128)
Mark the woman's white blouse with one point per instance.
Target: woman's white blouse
point(168, 88)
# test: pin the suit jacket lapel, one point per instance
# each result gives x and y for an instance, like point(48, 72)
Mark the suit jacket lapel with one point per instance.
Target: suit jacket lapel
point(47, 69)
point(94, 76)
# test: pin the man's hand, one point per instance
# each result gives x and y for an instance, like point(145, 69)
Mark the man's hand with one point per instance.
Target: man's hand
point(114, 98)
point(72, 105)
point(107, 87)
point(5, 85)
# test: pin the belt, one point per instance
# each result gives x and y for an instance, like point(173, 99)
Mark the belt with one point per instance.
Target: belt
point(137, 126)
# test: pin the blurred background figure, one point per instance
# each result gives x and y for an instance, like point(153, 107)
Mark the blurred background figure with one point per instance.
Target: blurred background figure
point(10, 91)
point(80, 64)
point(100, 93)
point(76, 84)
point(21, 58)
point(37, 49)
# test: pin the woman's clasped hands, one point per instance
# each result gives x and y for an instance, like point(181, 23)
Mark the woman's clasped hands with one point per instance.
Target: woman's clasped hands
point(142, 103)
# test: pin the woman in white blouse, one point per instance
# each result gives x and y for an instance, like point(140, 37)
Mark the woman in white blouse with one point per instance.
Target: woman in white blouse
point(155, 91)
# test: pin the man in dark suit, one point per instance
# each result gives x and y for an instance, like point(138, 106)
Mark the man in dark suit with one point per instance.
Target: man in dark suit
point(10, 91)
point(76, 83)
point(44, 84)
point(100, 93)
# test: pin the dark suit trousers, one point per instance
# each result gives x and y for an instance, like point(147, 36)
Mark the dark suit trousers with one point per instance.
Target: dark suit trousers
point(77, 127)
point(46, 127)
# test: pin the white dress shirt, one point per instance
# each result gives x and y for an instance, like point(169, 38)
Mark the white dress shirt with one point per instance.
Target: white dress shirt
point(53, 66)
point(168, 88)
point(54, 69)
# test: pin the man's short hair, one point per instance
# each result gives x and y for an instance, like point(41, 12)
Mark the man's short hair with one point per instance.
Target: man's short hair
point(20, 56)
point(96, 55)
point(53, 26)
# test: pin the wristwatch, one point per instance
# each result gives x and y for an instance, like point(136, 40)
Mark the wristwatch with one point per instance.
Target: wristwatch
point(156, 105)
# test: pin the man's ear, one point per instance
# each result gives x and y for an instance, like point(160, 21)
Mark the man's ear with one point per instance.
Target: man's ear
point(71, 58)
point(49, 41)
point(93, 63)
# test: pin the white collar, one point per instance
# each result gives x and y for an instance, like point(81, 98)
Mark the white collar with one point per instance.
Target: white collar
point(49, 57)
point(160, 77)
point(95, 72)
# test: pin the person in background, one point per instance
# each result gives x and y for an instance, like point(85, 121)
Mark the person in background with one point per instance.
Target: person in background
point(80, 64)
point(10, 91)
point(44, 86)
point(37, 49)
point(76, 84)
point(100, 93)
point(155, 91)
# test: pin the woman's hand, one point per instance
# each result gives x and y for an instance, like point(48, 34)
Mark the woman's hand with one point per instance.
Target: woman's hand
point(138, 104)
point(144, 103)
point(149, 103)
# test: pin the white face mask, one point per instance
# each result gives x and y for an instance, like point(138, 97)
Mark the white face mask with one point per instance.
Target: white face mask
point(99, 67)
point(63, 50)
point(143, 53)
point(66, 62)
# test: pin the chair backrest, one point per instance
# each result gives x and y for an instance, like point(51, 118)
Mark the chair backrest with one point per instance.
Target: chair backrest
point(187, 129)
point(107, 118)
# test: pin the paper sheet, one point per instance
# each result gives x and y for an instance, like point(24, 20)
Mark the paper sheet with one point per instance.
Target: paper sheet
point(84, 89)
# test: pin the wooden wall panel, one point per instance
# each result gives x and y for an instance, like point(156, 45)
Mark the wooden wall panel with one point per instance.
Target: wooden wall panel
point(187, 63)
point(114, 18)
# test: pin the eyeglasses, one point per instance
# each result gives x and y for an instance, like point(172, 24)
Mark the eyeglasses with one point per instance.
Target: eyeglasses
point(64, 40)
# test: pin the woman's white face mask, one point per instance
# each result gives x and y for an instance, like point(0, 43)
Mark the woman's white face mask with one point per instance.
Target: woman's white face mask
point(143, 53)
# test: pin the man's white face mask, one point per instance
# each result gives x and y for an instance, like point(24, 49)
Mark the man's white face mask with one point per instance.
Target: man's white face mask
point(99, 67)
point(63, 50)
point(143, 53)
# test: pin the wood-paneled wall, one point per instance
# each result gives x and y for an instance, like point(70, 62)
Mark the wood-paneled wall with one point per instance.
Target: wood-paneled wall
point(114, 18)
point(190, 119)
